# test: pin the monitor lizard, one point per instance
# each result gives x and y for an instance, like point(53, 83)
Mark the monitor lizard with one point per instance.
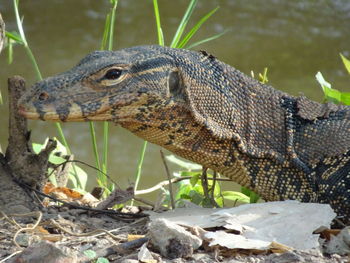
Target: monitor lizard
point(189, 102)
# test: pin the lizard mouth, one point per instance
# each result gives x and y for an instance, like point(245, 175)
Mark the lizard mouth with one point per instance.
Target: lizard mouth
point(27, 114)
point(72, 114)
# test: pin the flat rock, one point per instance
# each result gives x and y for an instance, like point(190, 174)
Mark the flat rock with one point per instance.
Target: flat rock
point(290, 223)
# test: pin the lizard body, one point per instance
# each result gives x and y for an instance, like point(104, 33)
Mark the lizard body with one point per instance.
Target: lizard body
point(280, 146)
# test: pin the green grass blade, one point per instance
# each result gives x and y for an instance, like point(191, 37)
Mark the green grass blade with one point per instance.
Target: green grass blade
point(19, 23)
point(10, 51)
point(32, 59)
point(105, 32)
point(196, 27)
point(112, 22)
point(159, 28)
point(183, 23)
point(206, 40)
point(346, 63)
point(15, 37)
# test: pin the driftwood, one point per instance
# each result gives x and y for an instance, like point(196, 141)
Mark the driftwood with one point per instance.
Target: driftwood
point(20, 165)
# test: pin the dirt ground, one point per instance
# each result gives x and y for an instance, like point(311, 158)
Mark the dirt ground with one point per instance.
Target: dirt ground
point(62, 234)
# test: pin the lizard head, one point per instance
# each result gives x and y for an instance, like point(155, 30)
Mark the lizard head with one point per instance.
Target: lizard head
point(105, 85)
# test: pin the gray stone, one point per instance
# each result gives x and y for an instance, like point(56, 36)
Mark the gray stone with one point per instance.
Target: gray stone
point(172, 240)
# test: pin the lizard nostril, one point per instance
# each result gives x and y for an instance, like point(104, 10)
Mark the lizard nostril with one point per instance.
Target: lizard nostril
point(43, 96)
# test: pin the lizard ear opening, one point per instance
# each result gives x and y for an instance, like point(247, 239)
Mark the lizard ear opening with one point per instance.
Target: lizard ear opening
point(175, 84)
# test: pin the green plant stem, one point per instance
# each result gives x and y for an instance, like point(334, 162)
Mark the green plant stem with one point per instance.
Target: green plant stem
point(106, 124)
point(32, 59)
point(105, 146)
point(111, 28)
point(139, 165)
point(94, 147)
point(144, 146)
point(107, 36)
point(159, 28)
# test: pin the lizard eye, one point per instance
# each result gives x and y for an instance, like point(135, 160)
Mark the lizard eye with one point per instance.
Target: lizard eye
point(113, 74)
point(43, 96)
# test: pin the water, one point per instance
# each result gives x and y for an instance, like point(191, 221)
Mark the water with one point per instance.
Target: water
point(294, 39)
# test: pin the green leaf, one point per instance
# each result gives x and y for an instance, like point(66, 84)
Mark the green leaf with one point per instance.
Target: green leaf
point(346, 62)
point(220, 201)
point(322, 81)
point(235, 196)
point(206, 40)
point(183, 23)
point(332, 95)
point(14, 36)
point(245, 191)
point(53, 158)
point(207, 203)
point(183, 164)
point(196, 27)
point(345, 98)
point(254, 197)
point(102, 260)
point(189, 173)
point(184, 190)
point(194, 179)
point(185, 196)
point(196, 197)
point(79, 174)
point(73, 180)
point(52, 177)
point(90, 253)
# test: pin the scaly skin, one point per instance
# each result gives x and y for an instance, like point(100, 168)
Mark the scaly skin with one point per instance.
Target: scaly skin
point(280, 146)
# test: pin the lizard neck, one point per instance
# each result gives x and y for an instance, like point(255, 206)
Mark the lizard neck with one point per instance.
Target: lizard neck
point(176, 130)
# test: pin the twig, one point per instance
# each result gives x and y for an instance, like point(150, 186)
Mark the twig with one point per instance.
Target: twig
point(10, 256)
point(91, 233)
point(204, 179)
point(169, 180)
point(141, 200)
point(118, 196)
point(213, 190)
point(90, 166)
point(173, 180)
point(206, 189)
point(113, 212)
point(122, 248)
point(39, 214)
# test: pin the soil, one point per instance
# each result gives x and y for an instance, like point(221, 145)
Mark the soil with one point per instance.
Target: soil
point(72, 231)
